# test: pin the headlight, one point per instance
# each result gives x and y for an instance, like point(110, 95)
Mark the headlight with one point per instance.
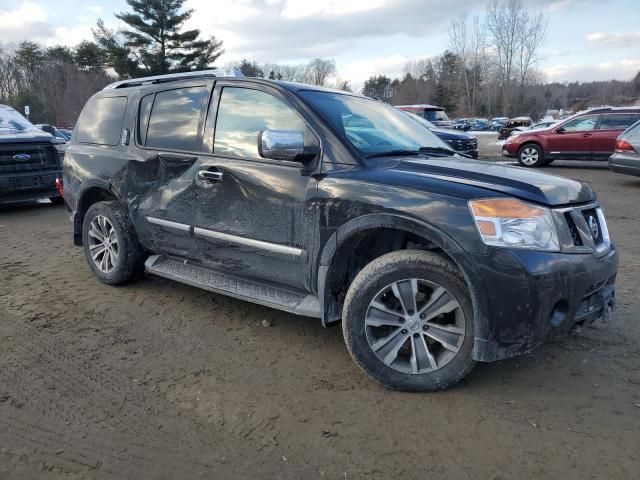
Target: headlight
point(507, 222)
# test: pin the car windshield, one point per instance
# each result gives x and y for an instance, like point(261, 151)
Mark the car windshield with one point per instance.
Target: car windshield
point(11, 121)
point(420, 120)
point(436, 116)
point(371, 126)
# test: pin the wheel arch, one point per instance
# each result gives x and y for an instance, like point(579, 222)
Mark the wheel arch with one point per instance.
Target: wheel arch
point(93, 192)
point(393, 231)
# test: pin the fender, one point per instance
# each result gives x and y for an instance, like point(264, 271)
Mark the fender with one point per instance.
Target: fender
point(86, 187)
point(368, 222)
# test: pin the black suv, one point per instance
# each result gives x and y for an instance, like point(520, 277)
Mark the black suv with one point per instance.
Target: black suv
point(30, 160)
point(336, 206)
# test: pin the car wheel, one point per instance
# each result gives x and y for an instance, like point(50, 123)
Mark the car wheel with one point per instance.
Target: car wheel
point(408, 321)
point(531, 155)
point(111, 245)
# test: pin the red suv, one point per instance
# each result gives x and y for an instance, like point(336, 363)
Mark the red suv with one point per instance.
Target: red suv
point(590, 134)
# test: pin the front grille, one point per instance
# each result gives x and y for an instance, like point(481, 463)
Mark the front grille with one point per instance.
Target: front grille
point(463, 144)
point(583, 229)
point(17, 158)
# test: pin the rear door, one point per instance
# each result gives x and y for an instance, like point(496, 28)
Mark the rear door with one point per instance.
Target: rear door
point(610, 127)
point(573, 138)
point(253, 216)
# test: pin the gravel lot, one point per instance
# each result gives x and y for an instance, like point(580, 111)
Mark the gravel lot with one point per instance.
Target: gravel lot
point(161, 380)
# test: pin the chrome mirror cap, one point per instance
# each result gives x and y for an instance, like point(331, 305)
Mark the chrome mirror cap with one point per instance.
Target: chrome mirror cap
point(281, 144)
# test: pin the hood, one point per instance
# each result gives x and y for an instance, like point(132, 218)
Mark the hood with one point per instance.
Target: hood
point(522, 183)
point(451, 134)
point(26, 136)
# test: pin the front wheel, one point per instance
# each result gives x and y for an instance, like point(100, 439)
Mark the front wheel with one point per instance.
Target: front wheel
point(408, 321)
point(531, 155)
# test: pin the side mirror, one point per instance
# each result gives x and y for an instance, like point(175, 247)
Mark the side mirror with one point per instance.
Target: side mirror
point(560, 130)
point(284, 145)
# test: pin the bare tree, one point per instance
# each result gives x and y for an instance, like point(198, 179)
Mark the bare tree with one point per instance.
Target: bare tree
point(516, 38)
point(319, 71)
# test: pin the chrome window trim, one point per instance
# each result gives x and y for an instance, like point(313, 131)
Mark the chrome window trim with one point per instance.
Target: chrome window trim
point(248, 242)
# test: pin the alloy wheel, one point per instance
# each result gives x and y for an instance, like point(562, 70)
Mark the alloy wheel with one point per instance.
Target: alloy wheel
point(529, 156)
point(103, 244)
point(415, 326)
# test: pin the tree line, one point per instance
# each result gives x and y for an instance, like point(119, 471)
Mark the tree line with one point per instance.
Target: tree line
point(490, 69)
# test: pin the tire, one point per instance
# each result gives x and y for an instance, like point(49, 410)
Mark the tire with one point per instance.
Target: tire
point(445, 368)
point(126, 257)
point(56, 200)
point(531, 155)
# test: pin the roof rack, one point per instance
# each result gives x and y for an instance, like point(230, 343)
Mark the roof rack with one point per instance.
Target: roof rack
point(173, 77)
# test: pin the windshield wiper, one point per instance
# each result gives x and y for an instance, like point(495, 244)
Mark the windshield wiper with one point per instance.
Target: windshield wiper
point(394, 153)
point(444, 150)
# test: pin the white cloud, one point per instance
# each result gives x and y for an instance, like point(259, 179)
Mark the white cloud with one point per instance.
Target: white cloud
point(391, 66)
point(617, 39)
point(621, 69)
point(28, 21)
point(97, 9)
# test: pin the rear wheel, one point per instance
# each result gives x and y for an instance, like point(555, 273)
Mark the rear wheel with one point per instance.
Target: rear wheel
point(111, 245)
point(531, 155)
point(408, 321)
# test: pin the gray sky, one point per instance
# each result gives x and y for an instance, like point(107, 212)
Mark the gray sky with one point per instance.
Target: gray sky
point(588, 39)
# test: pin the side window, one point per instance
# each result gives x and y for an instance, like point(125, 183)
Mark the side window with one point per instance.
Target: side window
point(581, 124)
point(101, 121)
point(174, 119)
point(617, 121)
point(143, 117)
point(242, 114)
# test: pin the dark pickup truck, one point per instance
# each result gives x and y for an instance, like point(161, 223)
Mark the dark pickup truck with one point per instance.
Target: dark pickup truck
point(336, 206)
point(30, 160)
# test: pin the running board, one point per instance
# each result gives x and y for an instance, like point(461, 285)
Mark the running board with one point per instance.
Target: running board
point(256, 291)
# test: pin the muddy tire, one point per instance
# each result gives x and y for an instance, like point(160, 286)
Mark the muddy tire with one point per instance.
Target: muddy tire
point(408, 321)
point(111, 245)
point(531, 155)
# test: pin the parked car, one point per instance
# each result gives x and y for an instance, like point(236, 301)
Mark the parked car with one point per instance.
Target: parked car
point(462, 124)
point(498, 123)
point(50, 129)
point(332, 205)
point(480, 125)
point(626, 157)
point(514, 125)
point(30, 163)
point(542, 125)
point(591, 134)
point(462, 143)
point(435, 115)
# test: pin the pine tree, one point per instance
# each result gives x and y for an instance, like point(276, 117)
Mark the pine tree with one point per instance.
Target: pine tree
point(157, 42)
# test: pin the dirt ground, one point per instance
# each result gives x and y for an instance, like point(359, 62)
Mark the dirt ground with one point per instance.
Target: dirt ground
point(164, 381)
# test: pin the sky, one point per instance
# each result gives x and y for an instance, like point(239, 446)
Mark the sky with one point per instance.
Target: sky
point(587, 39)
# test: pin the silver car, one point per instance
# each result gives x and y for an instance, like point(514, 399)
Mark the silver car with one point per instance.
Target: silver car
point(626, 158)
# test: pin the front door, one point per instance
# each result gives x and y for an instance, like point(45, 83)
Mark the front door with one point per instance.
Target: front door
point(254, 216)
point(610, 127)
point(575, 139)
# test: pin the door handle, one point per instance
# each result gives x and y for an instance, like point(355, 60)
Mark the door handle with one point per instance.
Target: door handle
point(587, 134)
point(210, 176)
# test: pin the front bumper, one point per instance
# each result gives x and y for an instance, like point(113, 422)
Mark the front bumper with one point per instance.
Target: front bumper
point(524, 298)
point(22, 187)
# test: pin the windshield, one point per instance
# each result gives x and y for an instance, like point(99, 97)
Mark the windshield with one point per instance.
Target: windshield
point(371, 126)
point(421, 121)
point(436, 115)
point(12, 122)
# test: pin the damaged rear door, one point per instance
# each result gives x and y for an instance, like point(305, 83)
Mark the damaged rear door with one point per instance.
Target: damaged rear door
point(254, 216)
point(170, 124)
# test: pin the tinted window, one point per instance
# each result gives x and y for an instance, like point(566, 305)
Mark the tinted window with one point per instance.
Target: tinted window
point(581, 124)
point(101, 121)
point(436, 115)
point(143, 120)
point(174, 119)
point(617, 121)
point(243, 114)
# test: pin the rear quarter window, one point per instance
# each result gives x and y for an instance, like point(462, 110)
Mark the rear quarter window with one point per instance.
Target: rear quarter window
point(617, 121)
point(101, 121)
